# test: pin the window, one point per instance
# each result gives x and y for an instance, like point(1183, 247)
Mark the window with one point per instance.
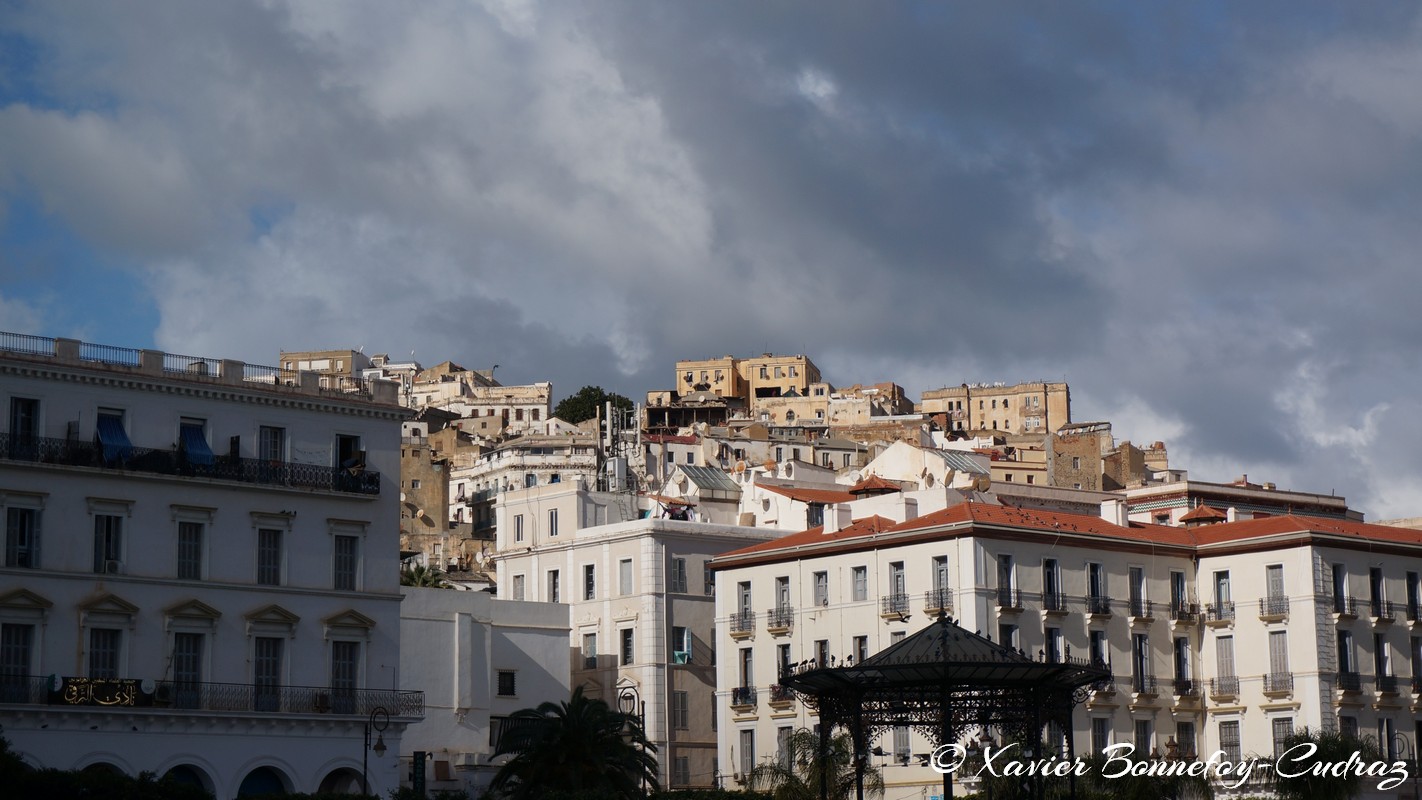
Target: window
point(1283, 729)
point(1143, 738)
point(1054, 644)
point(1076, 462)
point(1140, 661)
point(821, 652)
point(1098, 649)
point(783, 657)
point(861, 649)
point(1229, 740)
point(414, 483)
point(1007, 635)
point(518, 587)
point(815, 512)
point(345, 675)
point(24, 420)
point(1274, 580)
point(507, 683)
point(590, 651)
point(109, 430)
point(1100, 734)
point(782, 593)
point(108, 543)
point(897, 636)
point(552, 522)
point(708, 579)
point(1347, 657)
point(747, 667)
point(677, 582)
point(1182, 658)
point(1222, 593)
point(1224, 656)
point(860, 576)
point(1348, 726)
point(624, 576)
point(628, 656)
point(187, 668)
point(22, 537)
point(530, 480)
point(681, 645)
point(691, 458)
point(553, 588)
point(589, 582)
point(680, 712)
point(518, 527)
point(821, 588)
point(782, 746)
point(897, 585)
point(345, 563)
point(17, 644)
point(1279, 653)
point(748, 736)
point(1185, 739)
point(1382, 657)
point(190, 547)
point(671, 457)
point(269, 557)
point(266, 672)
point(271, 443)
point(104, 653)
point(901, 744)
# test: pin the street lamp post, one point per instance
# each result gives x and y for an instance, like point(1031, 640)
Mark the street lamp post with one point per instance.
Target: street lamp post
point(379, 718)
point(630, 703)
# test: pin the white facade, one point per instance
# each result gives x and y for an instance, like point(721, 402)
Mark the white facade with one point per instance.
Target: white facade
point(1222, 636)
point(478, 660)
point(641, 607)
point(200, 568)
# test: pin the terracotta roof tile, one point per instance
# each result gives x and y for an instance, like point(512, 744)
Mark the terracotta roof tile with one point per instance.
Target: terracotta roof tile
point(825, 496)
point(867, 526)
point(1204, 513)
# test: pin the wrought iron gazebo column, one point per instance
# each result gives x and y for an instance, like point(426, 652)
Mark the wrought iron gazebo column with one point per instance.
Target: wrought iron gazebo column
point(1071, 752)
point(946, 737)
point(860, 754)
point(825, 724)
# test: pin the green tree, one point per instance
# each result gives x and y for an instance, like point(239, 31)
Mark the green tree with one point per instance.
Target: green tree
point(796, 774)
point(1332, 748)
point(421, 575)
point(584, 405)
point(580, 748)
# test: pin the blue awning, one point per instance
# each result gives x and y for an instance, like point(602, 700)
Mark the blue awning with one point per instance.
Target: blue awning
point(195, 446)
point(114, 439)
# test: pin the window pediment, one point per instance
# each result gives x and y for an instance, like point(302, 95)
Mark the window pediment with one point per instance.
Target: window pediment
point(108, 608)
point(24, 600)
point(348, 623)
point(272, 619)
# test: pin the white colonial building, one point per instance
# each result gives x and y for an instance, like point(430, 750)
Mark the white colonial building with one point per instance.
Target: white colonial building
point(1224, 636)
point(641, 607)
point(200, 570)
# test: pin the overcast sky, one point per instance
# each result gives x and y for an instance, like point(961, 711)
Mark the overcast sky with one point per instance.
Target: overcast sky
point(1204, 216)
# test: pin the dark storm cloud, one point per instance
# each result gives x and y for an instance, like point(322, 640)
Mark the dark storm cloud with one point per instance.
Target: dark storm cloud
point(1200, 215)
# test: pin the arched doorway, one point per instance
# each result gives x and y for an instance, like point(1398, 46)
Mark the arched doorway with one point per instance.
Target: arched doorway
point(264, 780)
point(102, 768)
point(189, 775)
point(341, 781)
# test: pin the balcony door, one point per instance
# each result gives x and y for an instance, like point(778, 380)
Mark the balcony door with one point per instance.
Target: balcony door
point(266, 673)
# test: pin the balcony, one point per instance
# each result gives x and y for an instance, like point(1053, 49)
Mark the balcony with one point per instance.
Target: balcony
point(1345, 607)
point(938, 600)
point(1142, 610)
point(1417, 684)
point(130, 693)
point(1277, 684)
point(1104, 687)
point(894, 606)
point(743, 625)
point(1098, 606)
point(1387, 684)
point(1274, 608)
point(1382, 611)
point(743, 698)
point(1349, 682)
point(119, 459)
point(781, 697)
point(1184, 687)
point(1224, 688)
point(1181, 611)
point(780, 619)
point(1009, 599)
point(1145, 685)
point(1219, 613)
point(1414, 610)
point(1054, 603)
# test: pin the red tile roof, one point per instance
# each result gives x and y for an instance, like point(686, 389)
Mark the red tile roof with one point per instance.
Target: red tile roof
point(1204, 513)
point(867, 526)
point(825, 496)
point(1227, 532)
point(874, 483)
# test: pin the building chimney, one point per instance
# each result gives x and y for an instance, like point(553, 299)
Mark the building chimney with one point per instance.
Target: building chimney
point(909, 507)
point(837, 518)
point(1114, 512)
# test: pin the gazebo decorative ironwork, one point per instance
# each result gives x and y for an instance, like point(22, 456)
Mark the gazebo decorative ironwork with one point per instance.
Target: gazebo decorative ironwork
point(943, 681)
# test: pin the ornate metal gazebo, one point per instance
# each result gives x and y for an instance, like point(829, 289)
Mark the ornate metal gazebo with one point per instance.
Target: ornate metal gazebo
point(943, 681)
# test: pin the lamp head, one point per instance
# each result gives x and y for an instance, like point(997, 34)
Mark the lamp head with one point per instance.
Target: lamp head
point(379, 745)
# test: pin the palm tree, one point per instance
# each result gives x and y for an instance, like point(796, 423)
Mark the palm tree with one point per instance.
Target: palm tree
point(581, 748)
point(795, 775)
point(1333, 748)
point(421, 575)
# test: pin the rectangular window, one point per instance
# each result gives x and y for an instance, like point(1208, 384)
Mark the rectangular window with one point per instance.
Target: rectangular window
point(821, 588)
point(24, 420)
point(104, 653)
point(1095, 584)
point(624, 576)
point(677, 580)
point(507, 683)
point(1279, 652)
point(1224, 656)
point(1054, 645)
point(187, 666)
point(680, 711)
point(1100, 734)
point(783, 657)
point(822, 652)
point(681, 770)
point(1185, 739)
point(747, 667)
point(1382, 657)
point(861, 583)
point(553, 587)
point(271, 444)
point(345, 676)
point(743, 597)
point(108, 543)
point(1347, 658)
point(552, 522)
point(589, 582)
point(708, 579)
point(518, 527)
point(590, 651)
point(861, 648)
point(1143, 738)
point(266, 672)
point(897, 584)
point(1007, 635)
point(16, 660)
point(22, 537)
point(1229, 740)
point(681, 645)
point(901, 744)
point(269, 557)
point(1100, 651)
point(518, 587)
point(1274, 580)
point(190, 536)
point(748, 743)
point(628, 655)
point(346, 562)
point(1283, 729)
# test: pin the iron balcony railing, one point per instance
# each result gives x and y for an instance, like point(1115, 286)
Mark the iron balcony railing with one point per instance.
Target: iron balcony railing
point(781, 694)
point(1142, 608)
point(1346, 606)
point(780, 617)
point(1227, 686)
point(1219, 612)
point(1417, 684)
point(1104, 686)
point(1350, 681)
point(1009, 598)
point(743, 622)
point(1387, 684)
point(1144, 684)
point(1098, 604)
point(201, 696)
point(1413, 612)
point(1279, 682)
point(1274, 606)
point(894, 604)
point(174, 461)
point(940, 599)
point(1181, 611)
point(1053, 601)
point(1382, 609)
point(1185, 687)
point(743, 696)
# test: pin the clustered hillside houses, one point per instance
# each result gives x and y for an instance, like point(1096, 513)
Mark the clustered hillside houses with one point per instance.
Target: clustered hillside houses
point(197, 546)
